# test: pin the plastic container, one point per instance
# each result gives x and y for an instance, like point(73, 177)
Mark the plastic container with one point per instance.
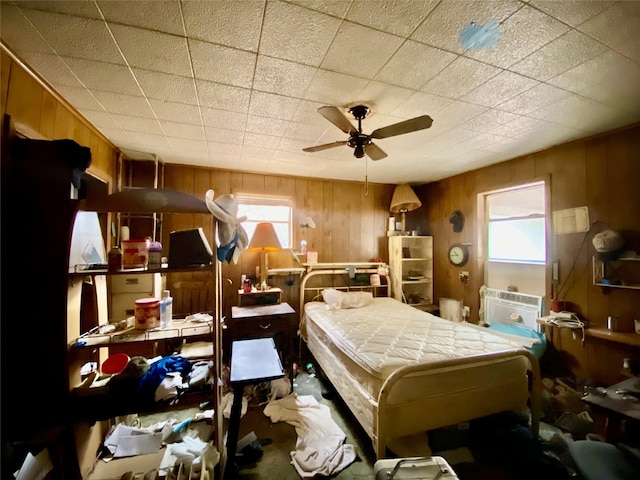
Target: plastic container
point(135, 253)
point(147, 313)
point(155, 255)
point(166, 309)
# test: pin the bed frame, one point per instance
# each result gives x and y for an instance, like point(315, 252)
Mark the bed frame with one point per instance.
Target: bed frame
point(400, 408)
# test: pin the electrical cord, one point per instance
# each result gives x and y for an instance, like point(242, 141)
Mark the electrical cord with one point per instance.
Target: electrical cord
point(572, 322)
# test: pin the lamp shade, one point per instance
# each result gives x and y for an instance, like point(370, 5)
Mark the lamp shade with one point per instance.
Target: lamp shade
point(404, 199)
point(265, 239)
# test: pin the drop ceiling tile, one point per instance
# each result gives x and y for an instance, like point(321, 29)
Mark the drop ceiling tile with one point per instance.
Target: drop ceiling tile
point(293, 145)
point(55, 28)
point(107, 77)
point(599, 72)
point(223, 135)
point(218, 63)
point(214, 117)
point(100, 119)
point(500, 89)
point(139, 124)
point(190, 148)
point(162, 16)
point(260, 140)
point(573, 12)
point(79, 9)
point(523, 33)
point(487, 121)
point(384, 98)
point(532, 99)
point(335, 8)
point(562, 54)
point(307, 112)
point(309, 134)
point(124, 104)
point(218, 148)
point(176, 112)
point(456, 113)
point(422, 104)
point(577, 112)
point(442, 27)
point(400, 17)
point(274, 106)
point(285, 24)
point(360, 51)
point(256, 156)
point(267, 126)
point(149, 142)
point(18, 32)
point(414, 65)
point(225, 97)
point(460, 77)
point(234, 24)
point(80, 98)
point(166, 87)
point(520, 126)
point(332, 88)
point(151, 50)
point(115, 135)
point(183, 130)
point(280, 76)
point(55, 71)
point(617, 27)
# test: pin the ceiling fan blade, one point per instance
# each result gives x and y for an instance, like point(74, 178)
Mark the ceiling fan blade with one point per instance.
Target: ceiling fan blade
point(412, 125)
point(374, 152)
point(325, 146)
point(335, 116)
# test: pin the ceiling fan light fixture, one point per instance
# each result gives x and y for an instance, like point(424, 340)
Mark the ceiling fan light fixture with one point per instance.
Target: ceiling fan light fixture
point(358, 151)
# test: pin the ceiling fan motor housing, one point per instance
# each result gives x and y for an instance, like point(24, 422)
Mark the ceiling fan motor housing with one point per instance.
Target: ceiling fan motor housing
point(359, 111)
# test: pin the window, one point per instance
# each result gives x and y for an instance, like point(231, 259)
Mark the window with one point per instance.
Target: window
point(264, 208)
point(516, 225)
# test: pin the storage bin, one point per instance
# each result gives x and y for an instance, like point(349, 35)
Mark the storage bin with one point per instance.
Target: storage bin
point(423, 468)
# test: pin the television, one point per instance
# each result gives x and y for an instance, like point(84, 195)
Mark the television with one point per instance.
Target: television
point(189, 248)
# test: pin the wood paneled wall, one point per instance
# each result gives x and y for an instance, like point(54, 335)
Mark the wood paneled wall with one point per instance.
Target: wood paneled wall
point(39, 112)
point(350, 226)
point(602, 173)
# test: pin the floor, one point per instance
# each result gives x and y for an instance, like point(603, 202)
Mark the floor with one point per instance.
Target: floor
point(275, 460)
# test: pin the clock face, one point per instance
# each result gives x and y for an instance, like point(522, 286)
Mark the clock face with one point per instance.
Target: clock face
point(458, 255)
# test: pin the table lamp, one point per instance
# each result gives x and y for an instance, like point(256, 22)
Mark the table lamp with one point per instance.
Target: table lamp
point(404, 200)
point(264, 240)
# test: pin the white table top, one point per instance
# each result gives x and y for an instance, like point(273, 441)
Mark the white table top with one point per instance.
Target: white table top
point(254, 361)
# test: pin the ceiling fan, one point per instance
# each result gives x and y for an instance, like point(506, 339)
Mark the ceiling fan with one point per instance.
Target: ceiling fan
point(361, 142)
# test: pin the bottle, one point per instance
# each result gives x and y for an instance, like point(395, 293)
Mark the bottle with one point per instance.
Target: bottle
point(166, 309)
point(115, 259)
point(155, 255)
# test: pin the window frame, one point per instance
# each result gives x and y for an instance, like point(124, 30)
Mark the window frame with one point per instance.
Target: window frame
point(262, 200)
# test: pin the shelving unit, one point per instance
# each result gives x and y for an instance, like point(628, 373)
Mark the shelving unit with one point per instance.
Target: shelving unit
point(95, 402)
point(411, 270)
point(629, 278)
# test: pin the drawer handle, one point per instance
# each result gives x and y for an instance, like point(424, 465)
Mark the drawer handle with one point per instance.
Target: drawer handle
point(264, 327)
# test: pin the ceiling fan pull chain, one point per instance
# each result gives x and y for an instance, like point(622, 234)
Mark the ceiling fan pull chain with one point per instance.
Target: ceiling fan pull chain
point(366, 177)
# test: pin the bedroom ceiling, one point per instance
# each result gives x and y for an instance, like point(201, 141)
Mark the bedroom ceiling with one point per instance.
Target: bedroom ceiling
point(237, 84)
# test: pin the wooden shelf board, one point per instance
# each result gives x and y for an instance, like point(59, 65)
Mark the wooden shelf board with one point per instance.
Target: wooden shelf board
point(627, 338)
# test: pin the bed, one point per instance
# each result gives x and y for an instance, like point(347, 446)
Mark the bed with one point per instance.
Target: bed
point(402, 371)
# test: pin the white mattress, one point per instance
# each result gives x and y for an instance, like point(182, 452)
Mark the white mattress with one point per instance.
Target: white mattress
point(373, 341)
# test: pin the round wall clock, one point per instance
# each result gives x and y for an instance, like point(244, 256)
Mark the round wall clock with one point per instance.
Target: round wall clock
point(458, 255)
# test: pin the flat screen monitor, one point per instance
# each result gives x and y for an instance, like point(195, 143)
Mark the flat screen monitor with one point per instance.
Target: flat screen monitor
point(189, 248)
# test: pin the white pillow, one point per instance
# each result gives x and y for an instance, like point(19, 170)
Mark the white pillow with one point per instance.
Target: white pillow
point(336, 299)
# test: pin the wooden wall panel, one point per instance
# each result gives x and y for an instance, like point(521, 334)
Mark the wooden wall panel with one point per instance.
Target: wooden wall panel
point(600, 172)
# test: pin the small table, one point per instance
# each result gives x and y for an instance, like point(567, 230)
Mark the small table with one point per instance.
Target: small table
point(617, 406)
point(252, 361)
point(277, 321)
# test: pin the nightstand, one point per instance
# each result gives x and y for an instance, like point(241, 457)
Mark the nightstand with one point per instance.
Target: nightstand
point(277, 321)
point(259, 297)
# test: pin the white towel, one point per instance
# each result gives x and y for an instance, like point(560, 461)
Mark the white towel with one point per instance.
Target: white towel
point(320, 447)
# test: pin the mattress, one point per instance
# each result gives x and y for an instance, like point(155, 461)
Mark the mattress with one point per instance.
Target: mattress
point(373, 341)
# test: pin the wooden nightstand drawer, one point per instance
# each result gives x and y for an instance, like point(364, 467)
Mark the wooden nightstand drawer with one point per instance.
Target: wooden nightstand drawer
point(276, 321)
